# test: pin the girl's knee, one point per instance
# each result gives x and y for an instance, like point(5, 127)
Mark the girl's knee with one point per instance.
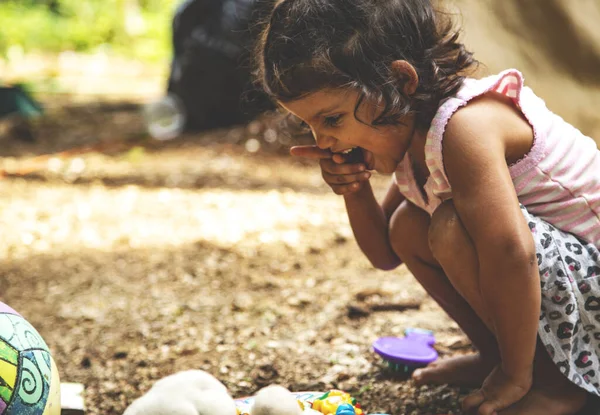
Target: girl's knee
point(446, 232)
point(407, 232)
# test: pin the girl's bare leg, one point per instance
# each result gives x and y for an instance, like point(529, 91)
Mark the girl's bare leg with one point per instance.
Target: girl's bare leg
point(552, 393)
point(468, 370)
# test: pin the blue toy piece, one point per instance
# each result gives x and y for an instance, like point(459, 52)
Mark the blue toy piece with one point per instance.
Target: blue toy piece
point(408, 353)
point(345, 409)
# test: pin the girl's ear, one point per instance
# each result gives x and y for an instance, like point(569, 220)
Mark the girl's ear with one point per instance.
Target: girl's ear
point(406, 72)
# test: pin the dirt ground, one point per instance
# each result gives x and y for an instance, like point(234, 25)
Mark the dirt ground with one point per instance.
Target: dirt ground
point(144, 258)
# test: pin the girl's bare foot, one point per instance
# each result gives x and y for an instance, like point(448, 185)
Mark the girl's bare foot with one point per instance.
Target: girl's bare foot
point(551, 394)
point(541, 402)
point(468, 370)
point(499, 391)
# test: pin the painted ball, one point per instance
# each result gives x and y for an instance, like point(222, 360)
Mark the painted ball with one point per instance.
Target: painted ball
point(29, 381)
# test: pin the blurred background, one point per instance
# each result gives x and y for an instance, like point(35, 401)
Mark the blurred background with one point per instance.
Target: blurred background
point(555, 43)
point(104, 59)
point(152, 220)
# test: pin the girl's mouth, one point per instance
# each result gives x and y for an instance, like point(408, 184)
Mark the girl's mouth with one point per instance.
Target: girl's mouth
point(353, 155)
point(357, 155)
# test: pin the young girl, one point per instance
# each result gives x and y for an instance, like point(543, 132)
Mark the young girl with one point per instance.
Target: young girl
point(495, 204)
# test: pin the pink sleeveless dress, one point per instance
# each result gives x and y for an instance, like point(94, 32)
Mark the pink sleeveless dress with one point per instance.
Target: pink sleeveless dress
point(558, 186)
point(557, 181)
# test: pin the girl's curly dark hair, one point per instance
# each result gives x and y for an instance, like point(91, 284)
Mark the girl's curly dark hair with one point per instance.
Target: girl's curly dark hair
point(309, 45)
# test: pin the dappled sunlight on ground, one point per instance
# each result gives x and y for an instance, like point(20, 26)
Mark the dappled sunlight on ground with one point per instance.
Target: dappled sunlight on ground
point(65, 218)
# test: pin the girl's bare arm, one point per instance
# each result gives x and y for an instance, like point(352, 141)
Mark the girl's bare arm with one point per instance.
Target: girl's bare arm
point(368, 219)
point(370, 224)
point(474, 149)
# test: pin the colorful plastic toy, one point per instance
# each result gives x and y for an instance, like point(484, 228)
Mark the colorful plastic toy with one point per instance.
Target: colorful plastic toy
point(29, 381)
point(334, 402)
point(406, 354)
point(345, 409)
point(329, 403)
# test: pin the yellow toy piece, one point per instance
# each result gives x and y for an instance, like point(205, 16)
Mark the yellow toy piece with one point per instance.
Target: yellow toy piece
point(328, 403)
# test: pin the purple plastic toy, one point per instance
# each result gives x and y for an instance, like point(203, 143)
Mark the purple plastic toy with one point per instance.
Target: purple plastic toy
point(408, 353)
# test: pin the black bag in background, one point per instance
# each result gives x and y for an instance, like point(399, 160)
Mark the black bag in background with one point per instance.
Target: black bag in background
point(210, 72)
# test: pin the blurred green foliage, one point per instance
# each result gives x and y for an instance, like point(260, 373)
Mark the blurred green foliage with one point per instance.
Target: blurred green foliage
point(136, 28)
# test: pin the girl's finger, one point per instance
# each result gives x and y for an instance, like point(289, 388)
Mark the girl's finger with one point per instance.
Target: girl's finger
point(310, 152)
point(337, 179)
point(338, 158)
point(489, 408)
point(473, 401)
point(345, 189)
point(329, 166)
point(356, 155)
point(369, 159)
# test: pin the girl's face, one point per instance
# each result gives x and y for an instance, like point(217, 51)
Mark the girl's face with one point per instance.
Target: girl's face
point(330, 116)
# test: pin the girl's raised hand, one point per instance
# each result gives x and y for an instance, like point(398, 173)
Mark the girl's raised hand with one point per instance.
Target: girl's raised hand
point(344, 178)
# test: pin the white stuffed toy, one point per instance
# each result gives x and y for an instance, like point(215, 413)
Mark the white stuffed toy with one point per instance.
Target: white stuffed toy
point(195, 392)
point(275, 400)
point(192, 392)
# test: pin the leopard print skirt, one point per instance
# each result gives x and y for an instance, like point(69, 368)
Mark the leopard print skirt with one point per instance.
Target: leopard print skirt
point(569, 324)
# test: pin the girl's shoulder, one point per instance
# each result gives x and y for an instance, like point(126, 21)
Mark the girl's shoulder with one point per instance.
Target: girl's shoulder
point(484, 120)
point(493, 118)
point(508, 83)
point(489, 107)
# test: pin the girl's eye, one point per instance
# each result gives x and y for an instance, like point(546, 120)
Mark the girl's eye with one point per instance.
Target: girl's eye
point(296, 124)
point(332, 121)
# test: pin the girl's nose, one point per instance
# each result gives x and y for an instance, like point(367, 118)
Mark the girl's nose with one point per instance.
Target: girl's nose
point(324, 141)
